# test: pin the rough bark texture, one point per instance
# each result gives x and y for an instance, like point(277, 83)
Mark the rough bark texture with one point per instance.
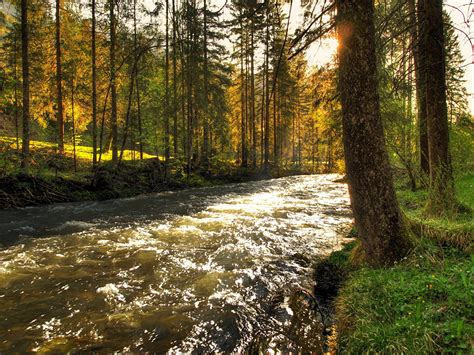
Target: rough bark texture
point(372, 193)
point(442, 198)
point(25, 148)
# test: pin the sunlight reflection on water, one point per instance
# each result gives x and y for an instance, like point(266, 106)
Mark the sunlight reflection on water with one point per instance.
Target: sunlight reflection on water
point(198, 270)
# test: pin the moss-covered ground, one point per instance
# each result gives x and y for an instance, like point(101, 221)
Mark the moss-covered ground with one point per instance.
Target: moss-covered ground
point(423, 304)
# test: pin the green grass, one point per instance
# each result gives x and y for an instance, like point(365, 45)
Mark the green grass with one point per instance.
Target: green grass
point(462, 226)
point(423, 304)
point(82, 152)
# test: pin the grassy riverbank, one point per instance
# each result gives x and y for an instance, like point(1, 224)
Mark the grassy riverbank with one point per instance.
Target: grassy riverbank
point(423, 304)
point(53, 178)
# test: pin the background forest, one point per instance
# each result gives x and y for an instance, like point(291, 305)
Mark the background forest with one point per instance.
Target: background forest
point(203, 87)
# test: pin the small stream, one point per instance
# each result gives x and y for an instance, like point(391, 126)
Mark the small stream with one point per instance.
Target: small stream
point(200, 270)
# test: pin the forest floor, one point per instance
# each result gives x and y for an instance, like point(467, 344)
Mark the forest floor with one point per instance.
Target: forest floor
point(53, 178)
point(424, 303)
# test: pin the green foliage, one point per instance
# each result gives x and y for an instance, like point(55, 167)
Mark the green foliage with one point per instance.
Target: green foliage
point(462, 148)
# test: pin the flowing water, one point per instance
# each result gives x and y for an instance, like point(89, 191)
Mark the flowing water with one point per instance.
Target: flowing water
point(198, 270)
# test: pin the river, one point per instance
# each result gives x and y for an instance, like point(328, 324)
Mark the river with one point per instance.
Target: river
point(199, 270)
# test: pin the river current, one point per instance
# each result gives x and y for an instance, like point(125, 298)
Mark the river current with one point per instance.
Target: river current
point(199, 270)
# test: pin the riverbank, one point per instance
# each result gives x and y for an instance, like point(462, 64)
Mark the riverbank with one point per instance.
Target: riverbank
point(424, 303)
point(130, 179)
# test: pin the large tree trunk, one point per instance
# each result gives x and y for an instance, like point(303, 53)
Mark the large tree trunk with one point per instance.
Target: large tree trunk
point(59, 80)
point(25, 162)
point(417, 33)
point(441, 199)
point(113, 88)
point(371, 189)
point(94, 87)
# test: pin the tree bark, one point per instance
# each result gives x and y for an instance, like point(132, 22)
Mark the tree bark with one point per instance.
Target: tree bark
point(371, 189)
point(94, 86)
point(59, 80)
point(418, 38)
point(113, 88)
point(252, 96)
point(441, 199)
point(15, 76)
point(25, 148)
point(175, 87)
point(205, 148)
point(73, 120)
point(243, 107)
point(267, 92)
point(167, 99)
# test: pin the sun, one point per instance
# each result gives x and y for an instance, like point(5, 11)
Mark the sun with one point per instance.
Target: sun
point(323, 51)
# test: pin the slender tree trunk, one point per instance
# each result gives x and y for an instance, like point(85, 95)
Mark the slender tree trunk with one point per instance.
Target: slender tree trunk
point(167, 93)
point(73, 122)
point(267, 92)
point(139, 118)
point(190, 121)
point(371, 189)
point(94, 87)
point(129, 107)
point(418, 38)
point(25, 162)
point(59, 80)
point(113, 88)
point(275, 126)
point(205, 150)
point(15, 76)
point(243, 108)
point(252, 96)
point(175, 87)
point(442, 196)
point(262, 118)
point(137, 86)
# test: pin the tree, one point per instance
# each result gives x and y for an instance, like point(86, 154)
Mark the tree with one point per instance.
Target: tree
point(371, 188)
point(26, 86)
point(441, 197)
point(59, 80)
point(113, 84)
point(417, 34)
point(94, 85)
